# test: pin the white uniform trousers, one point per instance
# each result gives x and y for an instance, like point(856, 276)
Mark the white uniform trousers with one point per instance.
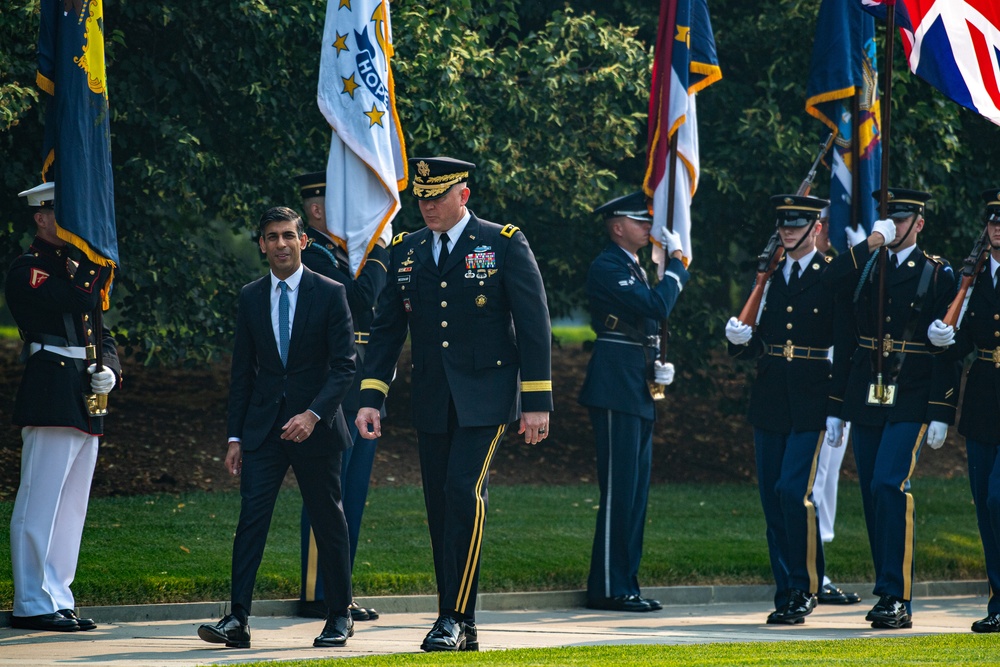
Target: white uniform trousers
point(825, 488)
point(57, 466)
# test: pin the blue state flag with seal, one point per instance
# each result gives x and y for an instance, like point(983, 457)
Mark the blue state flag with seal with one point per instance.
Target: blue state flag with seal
point(77, 140)
point(843, 68)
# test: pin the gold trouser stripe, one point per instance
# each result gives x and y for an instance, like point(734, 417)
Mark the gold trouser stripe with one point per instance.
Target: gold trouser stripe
point(375, 384)
point(811, 553)
point(476, 543)
point(536, 385)
point(910, 515)
point(312, 560)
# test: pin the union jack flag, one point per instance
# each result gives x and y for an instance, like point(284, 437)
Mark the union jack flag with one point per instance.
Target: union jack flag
point(954, 45)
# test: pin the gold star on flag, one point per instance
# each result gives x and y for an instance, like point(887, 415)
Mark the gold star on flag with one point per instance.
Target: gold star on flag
point(345, 3)
point(350, 85)
point(341, 43)
point(374, 116)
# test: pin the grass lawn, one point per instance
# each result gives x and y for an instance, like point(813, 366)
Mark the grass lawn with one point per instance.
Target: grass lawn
point(966, 650)
point(177, 548)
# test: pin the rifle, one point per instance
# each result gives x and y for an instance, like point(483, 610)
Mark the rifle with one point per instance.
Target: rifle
point(768, 260)
point(973, 264)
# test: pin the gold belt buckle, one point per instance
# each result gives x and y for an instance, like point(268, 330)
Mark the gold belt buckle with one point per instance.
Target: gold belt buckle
point(996, 357)
point(881, 395)
point(788, 351)
point(886, 346)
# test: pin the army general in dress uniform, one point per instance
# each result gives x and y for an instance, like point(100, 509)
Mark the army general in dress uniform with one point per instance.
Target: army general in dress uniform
point(53, 300)
point(914, 402)
point(979, 332)
point(326, 256)
point(470, 295)
point(625, 313)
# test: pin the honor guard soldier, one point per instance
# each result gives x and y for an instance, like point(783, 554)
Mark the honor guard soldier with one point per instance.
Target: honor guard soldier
point(327, 256)
point(899, 392)
point(470, 295)
point(791, 396)
point(625, 313)
point(979, 332)
point(53, 300)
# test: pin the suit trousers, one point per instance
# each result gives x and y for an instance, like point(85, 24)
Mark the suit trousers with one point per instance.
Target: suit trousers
point(57, 466)
point(455, 469)
point(318, 477)
point(886, 457)
point(786, 472)
point(624, 458)
point(355, 474)
point(984, 477)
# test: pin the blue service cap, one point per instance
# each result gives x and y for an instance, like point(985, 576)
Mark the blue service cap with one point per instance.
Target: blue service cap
point(631, 206)
point(312, 184)
point(902, 203)
point(798, 210)
point(434, 176)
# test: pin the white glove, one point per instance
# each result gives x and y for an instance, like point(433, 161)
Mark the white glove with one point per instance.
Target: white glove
point(936, 434)
point(738, 333)
point(887, 228)
point(940, 334)
point(663, 373)
point(672, 241)
point(101, 382)
point(855, 236)
point(386, 235)
point(834, 432)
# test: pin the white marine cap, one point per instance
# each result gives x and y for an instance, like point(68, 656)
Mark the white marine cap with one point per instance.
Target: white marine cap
point(40, 195)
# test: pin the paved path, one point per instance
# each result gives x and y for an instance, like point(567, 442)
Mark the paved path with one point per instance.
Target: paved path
point(174, 643)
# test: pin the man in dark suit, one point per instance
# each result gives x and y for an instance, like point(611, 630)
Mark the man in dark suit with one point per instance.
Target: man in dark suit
point(979, 331)
point(470, 295)
point(625, 313)
point(53, 300)
point(293, 363)
point(898, 392)
point(326, 256)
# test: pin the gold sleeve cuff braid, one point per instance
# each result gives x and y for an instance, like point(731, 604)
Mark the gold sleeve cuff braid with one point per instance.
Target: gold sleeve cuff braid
point(533, 385)
point(375, 384)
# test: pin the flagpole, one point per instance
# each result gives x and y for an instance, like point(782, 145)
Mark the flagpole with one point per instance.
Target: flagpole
point(855, 221)
point(660, 390)
point(890, 24)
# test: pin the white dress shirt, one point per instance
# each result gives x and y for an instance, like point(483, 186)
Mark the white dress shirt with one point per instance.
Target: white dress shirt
point(453, 235)
point(293, 296)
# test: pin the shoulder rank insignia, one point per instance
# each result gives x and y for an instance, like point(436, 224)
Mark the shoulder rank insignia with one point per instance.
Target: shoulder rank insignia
point(509, 231)
point(398, 238)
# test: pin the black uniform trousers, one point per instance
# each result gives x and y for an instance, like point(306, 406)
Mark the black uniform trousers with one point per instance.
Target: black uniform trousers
point(984, 477)
point(786, 471)
point(885, 457)
point(455, 469)
point(624, 459)
point(318, 477)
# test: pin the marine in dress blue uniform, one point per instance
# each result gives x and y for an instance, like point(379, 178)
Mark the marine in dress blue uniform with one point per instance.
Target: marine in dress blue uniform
point(919, 398)
point(53, 300)
point(327, 257)
point(979, 333)
point(469, 293)
point(791, 398)
point(625, 313)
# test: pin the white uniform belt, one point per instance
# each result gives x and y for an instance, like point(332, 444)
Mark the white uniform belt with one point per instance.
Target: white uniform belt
point(71, 352)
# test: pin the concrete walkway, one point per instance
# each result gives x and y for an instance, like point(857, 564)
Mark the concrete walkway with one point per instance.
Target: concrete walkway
point(165, 635)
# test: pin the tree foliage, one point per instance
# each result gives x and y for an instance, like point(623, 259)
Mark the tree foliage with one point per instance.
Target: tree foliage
point(214, 110)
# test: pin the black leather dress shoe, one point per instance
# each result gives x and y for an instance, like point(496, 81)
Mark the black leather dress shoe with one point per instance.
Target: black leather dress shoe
point(228, 631)
point(620, 603)
point(800, 604)
point(989, 624)
point(336, 631)
point(359, 613)
point(654, 605)
point(471, 636)
point(447, 634)
point(312, 609)
point(54, 622)
point(84, 623)
point(889, 613)
point(830, 594)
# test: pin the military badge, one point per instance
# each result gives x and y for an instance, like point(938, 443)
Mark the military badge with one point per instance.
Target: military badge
point(37, 278)
point(480, 301)
point(408, 260)
point(482, 248)
point(407, 306)
point(470, 274)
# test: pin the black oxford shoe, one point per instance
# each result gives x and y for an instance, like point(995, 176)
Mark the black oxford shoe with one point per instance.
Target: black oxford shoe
point(228, 631)
point(336, 631)
point(620, 603)
point(654, 605)
point(54, 622)
point(471, 636)
point(830, 594)
point(84, 623)
point(800, 604)
point(359, 613)
point(889, 613)
point(989, 624)
point(447, 634)
point(776, 618)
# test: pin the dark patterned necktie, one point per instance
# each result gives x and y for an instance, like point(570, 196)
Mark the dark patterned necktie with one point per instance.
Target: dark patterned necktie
point(443, 257)
point(283, 322)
